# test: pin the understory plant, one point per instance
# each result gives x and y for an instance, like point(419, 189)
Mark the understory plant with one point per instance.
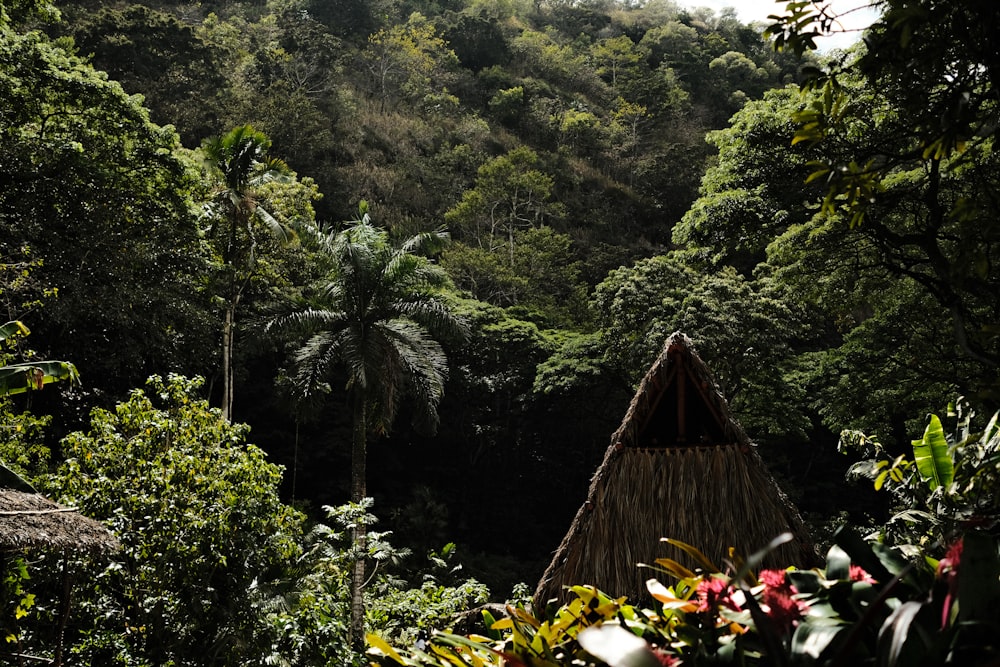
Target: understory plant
point(868, 605)
point(309, 611)
point(947, 488)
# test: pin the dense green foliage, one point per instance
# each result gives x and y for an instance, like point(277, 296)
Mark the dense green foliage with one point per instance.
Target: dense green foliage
point(200, 521)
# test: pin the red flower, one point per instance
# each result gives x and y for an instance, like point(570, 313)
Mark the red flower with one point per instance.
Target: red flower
point(948, 570)
point(948, 566)
point(778, 602)
point(666, 659)
point(713, 593)
point(858, 574)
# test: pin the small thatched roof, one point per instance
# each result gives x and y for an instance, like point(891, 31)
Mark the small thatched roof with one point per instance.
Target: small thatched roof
point(679, 467)
point(32, 521)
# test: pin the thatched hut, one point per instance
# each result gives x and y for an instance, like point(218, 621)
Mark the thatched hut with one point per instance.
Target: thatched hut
point(678, 467)
point(30, 521)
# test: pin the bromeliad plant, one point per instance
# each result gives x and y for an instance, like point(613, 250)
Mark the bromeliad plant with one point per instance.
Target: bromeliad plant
point(923, 590)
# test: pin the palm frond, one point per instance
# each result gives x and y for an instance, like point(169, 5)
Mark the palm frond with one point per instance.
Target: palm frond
point(306, 321)
point(352, 347)
point(435, 316)
point(313, 237)
point(388, 317)
point(424, 365)
point(278, 230)
point(270, 170)
point(426, 242)
point(313, 360)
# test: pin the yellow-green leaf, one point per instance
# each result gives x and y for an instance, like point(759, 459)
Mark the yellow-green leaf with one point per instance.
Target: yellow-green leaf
point(377, 642)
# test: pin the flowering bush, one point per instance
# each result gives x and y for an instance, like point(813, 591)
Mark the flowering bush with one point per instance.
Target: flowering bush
point(869, 604)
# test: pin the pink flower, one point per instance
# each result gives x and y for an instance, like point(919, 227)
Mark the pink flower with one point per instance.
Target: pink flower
point(948, 566)
point(713, 593)
point(666, 659)
point(858, 574)
point(948, 570)
point(778, 602)
point(774, 579)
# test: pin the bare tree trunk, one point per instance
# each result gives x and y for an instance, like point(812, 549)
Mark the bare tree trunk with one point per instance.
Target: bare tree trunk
point(358, 492)
point(227, 362)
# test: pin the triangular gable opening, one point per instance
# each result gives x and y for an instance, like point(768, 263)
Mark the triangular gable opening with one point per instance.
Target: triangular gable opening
point(680, 413)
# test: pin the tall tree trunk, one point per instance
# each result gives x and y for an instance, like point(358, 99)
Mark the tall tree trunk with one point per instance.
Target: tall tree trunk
point(227, 362)
point(228, 343)
point(358, 492)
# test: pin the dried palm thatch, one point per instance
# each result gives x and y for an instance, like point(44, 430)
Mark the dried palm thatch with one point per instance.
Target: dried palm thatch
point(31, 521)
point(678, 467)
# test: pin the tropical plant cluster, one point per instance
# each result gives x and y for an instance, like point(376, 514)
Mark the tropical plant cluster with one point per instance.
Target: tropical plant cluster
point(838, 614)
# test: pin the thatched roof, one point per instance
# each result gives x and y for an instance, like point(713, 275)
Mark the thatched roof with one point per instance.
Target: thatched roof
point(32, 521)
point(679, 467)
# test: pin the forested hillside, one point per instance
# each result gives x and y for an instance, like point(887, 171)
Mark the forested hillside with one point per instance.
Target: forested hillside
point(554, 141)
point(542, 191)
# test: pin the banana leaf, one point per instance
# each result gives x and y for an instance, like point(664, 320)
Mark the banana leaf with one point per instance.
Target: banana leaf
point(932, 456)
point(19, 378)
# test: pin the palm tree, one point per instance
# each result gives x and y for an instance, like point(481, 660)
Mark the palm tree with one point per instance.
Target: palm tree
point(240, 159)
point(378, 317)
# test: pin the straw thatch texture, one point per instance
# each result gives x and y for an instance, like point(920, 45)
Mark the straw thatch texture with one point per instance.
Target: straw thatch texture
point(679, 467)
point(32, 521)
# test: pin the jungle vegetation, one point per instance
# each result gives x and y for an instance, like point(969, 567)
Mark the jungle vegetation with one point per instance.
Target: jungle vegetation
point(419, 252)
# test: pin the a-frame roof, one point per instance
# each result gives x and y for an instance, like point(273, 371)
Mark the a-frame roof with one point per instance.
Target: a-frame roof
point(680, 467)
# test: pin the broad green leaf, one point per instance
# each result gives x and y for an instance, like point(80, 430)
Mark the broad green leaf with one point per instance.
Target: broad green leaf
point(860, 552)
point(895, 631)
point(489, 621)
point(11, 328)
point(991, 435)
point(19, 378)
point(812, 639)
point(932, 456)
